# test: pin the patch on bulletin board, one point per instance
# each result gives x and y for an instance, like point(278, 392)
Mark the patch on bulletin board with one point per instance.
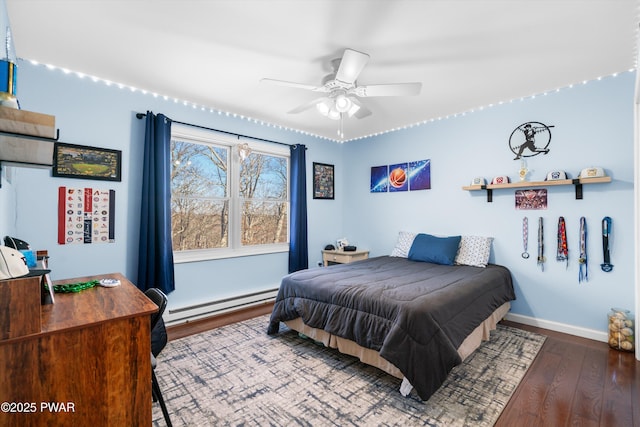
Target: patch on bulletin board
point(86, 215)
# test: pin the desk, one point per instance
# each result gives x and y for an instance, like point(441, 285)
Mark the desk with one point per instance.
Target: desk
point(88, 366)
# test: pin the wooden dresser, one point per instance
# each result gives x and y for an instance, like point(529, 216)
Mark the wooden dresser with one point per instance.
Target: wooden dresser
point(89, 363)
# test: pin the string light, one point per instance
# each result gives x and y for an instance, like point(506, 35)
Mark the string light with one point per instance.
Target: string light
point(473, 110)
point(341, 141)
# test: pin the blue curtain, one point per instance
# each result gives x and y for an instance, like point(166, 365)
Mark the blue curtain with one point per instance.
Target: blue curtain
point(155, 261)
point(298, 247)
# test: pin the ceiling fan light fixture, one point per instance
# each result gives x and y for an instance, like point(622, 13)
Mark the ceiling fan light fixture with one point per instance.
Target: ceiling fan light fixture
point(343, 103)
point(354, 109)
point(334, 114)
point(323, 108)
point(341, 92)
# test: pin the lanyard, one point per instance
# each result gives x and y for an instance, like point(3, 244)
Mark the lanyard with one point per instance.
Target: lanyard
point(540, 244)
point(563, 249)
point(583, 274)
point(525, 237)
point(606, 233)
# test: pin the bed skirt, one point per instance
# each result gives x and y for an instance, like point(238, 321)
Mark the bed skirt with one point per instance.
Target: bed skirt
point(373, 358)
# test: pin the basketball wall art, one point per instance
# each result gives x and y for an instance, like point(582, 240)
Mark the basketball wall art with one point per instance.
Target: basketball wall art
point(410, 176)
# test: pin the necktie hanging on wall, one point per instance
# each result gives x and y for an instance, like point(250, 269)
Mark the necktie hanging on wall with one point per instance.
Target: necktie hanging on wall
point(540, 244)
point(563, 249)
point(583, 273)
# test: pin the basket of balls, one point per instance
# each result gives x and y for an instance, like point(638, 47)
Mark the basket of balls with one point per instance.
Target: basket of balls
point(620, 329)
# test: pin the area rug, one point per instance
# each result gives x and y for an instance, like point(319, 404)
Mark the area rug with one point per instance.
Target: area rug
point(237, 375)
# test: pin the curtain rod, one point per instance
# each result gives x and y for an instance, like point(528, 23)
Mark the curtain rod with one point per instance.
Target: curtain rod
point(141, 115)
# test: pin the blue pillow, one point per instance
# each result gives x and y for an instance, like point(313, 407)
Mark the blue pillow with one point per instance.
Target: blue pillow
point(438, 250)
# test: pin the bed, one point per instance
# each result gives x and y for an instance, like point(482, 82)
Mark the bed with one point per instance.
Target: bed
point(412, 318)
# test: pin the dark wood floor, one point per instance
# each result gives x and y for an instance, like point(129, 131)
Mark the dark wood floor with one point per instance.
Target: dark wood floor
point(576, 382)
point(572, 382)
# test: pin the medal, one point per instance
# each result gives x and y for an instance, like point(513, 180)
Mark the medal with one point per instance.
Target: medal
point(563, 249)
point(606, 266)
point(541, 258)
point(525, 237)
point(583, 272)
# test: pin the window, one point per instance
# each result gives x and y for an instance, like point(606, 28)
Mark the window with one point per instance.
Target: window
point(223, 206)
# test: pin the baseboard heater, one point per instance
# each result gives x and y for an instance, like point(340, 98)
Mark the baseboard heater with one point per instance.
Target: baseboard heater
point(199, 311)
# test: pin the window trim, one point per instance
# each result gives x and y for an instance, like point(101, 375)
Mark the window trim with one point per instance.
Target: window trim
point(235, 249)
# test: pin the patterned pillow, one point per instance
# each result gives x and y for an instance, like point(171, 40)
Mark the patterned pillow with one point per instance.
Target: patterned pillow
point(474, 251)
point(405, 240)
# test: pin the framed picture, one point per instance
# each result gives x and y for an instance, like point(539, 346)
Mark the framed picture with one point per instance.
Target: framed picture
point(322, 181)
point(79, 161)
point(531, 199)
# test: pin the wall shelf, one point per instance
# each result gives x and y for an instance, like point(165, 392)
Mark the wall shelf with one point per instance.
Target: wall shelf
point(27, 137)
point(26, 150)
point(578, 182)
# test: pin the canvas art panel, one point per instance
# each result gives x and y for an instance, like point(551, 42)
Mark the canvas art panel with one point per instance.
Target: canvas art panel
point(420, 175)
point(408, 176)
point(379, 179)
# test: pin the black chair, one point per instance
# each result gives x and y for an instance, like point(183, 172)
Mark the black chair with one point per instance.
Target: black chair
point(158, 342)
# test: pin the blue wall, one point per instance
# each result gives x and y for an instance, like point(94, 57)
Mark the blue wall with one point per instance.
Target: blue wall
point(93, 113)
point(593, 127)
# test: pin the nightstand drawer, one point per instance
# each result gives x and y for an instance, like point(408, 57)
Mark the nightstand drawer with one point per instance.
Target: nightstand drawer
point(342, 257)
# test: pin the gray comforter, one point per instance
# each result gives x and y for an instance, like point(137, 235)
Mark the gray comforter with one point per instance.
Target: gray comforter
point(415, 314)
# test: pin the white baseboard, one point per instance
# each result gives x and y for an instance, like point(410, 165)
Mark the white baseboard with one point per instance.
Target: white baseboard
point(559, 327)
point(175, 316)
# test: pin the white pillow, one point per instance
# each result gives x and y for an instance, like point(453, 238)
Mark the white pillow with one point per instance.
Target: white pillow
point(474, 251)
point(403, 245)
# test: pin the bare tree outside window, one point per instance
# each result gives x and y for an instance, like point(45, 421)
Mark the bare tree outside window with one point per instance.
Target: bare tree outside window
point(199, 196)
point(201, 199)
point(263, 189)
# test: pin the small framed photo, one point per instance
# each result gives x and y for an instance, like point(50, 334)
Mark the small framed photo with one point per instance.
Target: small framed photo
point(323, 181)
point(80, 161)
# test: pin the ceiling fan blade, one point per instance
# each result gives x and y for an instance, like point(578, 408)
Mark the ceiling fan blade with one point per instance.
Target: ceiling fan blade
point(293, 84)
point(394, 89)
point(307, 106)
point(362, 111)
point(351, 65)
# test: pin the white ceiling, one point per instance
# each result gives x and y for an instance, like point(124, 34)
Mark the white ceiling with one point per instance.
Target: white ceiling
point(467, 53)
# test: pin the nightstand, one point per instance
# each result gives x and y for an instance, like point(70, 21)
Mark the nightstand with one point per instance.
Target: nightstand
point(342, 257)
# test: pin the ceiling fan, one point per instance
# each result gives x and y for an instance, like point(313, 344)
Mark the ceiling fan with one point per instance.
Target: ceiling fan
point(342, 92)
